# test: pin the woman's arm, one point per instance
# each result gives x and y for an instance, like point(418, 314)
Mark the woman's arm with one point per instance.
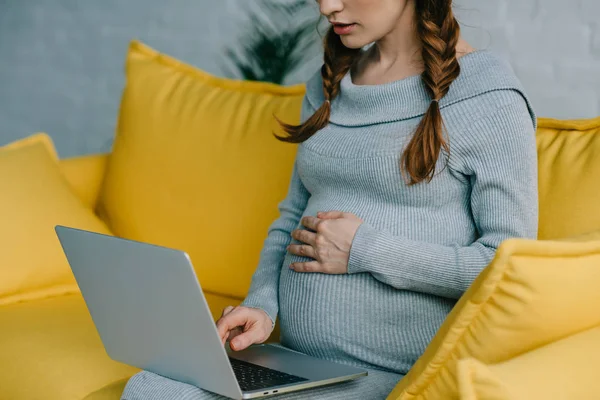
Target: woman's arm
point(499, 156)
point(265, 281)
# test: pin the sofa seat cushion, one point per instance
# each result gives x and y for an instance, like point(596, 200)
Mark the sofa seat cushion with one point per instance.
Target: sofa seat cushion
point(49, 349)
point(111, 391)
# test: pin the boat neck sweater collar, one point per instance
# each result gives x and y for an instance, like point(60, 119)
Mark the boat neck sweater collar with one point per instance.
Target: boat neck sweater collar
point(481, 71)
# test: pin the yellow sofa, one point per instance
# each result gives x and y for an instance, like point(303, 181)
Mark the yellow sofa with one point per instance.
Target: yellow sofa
point(49, 348)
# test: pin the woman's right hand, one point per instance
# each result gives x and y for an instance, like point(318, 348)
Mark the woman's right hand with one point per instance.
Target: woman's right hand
point(244, 326)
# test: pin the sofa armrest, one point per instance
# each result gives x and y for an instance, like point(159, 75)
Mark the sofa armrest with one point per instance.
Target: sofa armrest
point(85, 175)
point(565, 369)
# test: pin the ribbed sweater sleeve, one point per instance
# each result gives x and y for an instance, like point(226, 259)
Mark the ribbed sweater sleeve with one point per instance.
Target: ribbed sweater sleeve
point(263, 292)
point(497, 155)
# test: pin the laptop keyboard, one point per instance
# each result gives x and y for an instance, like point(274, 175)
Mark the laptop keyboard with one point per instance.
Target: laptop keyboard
point(252, 377)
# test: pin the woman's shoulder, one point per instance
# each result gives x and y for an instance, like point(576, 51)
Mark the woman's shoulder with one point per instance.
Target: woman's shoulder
point(489, 113)
point(487, 83)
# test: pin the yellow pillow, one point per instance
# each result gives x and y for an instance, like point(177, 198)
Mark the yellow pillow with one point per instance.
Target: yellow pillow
point(36, 197)
point(569, 176)
point(532, 293)
point(85, 175)
point(195, 165)
point(566, 369)
point(40, 138)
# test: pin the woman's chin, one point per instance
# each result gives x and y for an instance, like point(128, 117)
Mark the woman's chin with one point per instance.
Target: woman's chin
point(352, 42)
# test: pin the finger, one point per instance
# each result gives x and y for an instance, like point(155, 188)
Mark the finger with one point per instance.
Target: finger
point(311, 266)
point(305, 236)
point(229, 334)
point(234, 332)
point(237, 317)
point(223, 328)
point(223, 337)
point(331, 214)
point(303, 250)
point(310, 222)
point(245, 339)
point(226, 311)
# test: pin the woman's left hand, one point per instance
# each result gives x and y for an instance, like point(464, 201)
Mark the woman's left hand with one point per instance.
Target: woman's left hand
point(328, 243)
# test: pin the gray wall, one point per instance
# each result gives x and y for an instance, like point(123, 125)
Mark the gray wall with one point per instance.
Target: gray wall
point(61, 61)
point(553, 45)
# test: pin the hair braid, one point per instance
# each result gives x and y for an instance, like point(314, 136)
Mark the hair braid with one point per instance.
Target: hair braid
point(337, 61)
point(439, 32)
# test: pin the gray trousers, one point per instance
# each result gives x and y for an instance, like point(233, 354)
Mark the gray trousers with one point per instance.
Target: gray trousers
point(149, 386)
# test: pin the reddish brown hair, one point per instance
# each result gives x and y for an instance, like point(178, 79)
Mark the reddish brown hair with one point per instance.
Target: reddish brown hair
point(439, 31)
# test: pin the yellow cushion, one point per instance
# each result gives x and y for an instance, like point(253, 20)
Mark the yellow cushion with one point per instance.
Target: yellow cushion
point(35, 198)
point(49, 349)
point(195, 165)
point(584, 237)
point(85, 175)
point(569, 176)
point(476, 382)
point(36, 138)
point(111, 391)
point(566, 369)
point(532, 293)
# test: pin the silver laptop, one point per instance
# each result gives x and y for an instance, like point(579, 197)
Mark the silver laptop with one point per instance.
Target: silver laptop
point(150, 312)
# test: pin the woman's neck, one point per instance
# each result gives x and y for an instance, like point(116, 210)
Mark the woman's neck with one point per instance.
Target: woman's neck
point(377, 66)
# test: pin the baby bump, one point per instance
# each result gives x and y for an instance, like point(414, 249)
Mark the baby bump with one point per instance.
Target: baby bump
point(313, 309)
point(356, 318)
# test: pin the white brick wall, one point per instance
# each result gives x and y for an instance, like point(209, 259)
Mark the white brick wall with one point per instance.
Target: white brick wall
point(553, 46)
point(61, 61)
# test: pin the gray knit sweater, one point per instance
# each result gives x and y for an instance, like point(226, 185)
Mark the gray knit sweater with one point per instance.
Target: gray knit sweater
point(419, 247)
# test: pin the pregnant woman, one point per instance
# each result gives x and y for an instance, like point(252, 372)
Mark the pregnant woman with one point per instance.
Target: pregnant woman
point(416, 159)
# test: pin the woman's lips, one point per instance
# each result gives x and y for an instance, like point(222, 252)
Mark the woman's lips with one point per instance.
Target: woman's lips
point(343, 29)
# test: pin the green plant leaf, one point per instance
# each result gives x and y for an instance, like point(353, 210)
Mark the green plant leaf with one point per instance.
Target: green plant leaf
point(273, 49)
